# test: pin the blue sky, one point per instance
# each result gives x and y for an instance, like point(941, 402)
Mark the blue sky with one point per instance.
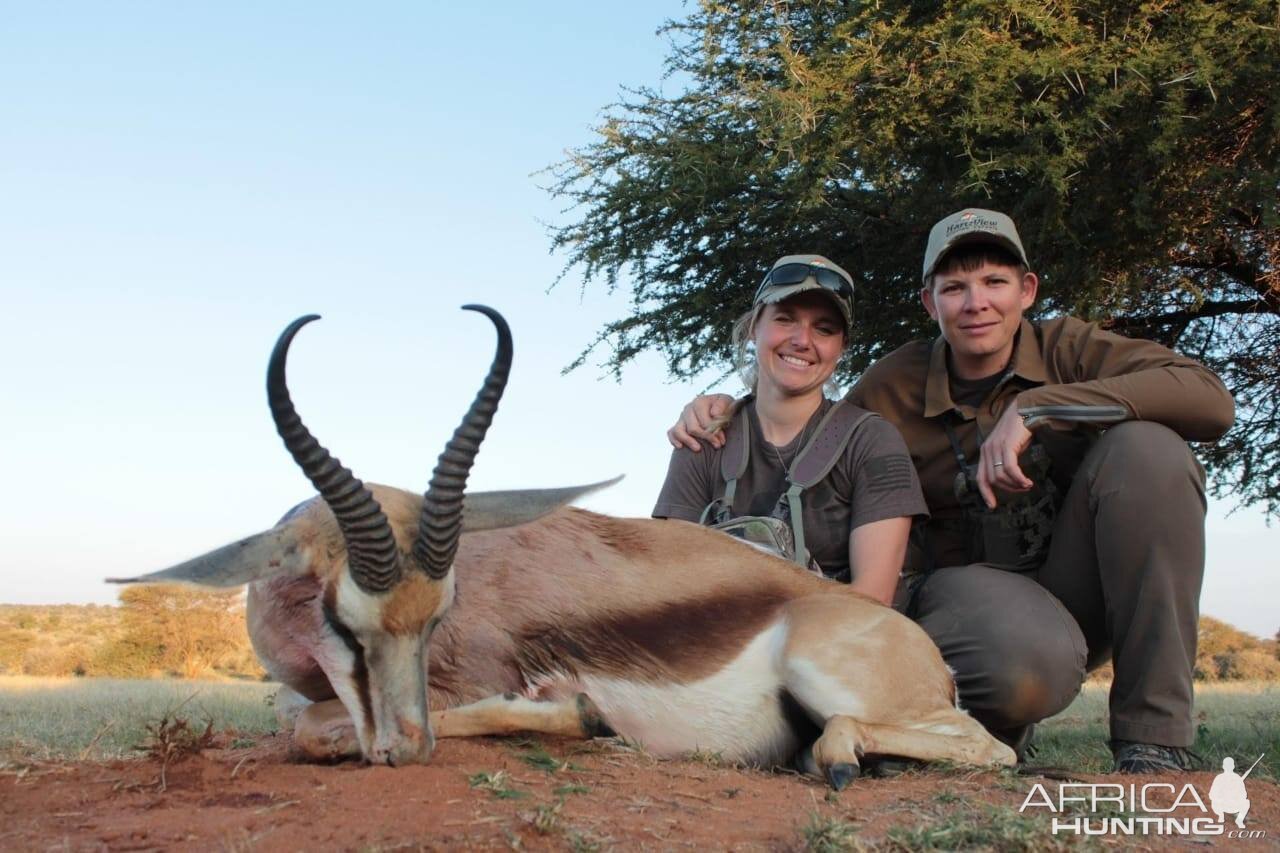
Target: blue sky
point(179, 181)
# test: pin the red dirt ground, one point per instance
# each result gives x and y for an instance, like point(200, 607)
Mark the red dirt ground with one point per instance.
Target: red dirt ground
point(260, 797)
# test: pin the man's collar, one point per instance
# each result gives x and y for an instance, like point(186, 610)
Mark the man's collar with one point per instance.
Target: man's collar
point(1028, 364)
point(1028, 361)
point(937, 386)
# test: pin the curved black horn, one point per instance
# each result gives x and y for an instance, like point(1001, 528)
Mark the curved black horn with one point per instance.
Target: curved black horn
point(371, 548)
point(441, 520)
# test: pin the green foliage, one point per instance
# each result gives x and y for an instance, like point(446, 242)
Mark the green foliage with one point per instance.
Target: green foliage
point(1135, 143)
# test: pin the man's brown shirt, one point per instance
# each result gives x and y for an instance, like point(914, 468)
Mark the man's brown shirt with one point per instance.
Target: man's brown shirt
point(1062, 362)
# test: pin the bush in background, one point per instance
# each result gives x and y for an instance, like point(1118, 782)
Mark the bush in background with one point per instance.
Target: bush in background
point(1225, 654)
point(157, 630)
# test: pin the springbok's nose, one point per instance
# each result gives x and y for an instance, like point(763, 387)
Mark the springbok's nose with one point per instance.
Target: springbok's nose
point(411, 746)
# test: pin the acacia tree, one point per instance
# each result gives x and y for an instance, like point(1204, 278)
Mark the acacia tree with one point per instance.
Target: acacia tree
point(182, 631)
point(1135, 143)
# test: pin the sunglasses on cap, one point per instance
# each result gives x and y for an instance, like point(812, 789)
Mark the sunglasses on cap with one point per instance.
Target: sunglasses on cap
point(796, 273)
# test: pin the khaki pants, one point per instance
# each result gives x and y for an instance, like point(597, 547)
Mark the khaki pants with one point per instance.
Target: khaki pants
point(1121, 583)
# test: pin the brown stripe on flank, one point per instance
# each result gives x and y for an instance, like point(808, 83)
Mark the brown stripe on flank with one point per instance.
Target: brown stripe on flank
point(682, 641)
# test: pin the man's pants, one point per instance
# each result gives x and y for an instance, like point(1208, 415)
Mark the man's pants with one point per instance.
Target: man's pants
point(1121, 583)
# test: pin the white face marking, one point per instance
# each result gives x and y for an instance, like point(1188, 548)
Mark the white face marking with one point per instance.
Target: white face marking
point(358, 610)
point(447, 595)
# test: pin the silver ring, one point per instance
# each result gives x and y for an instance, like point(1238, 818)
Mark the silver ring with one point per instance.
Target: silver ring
point(997, 464)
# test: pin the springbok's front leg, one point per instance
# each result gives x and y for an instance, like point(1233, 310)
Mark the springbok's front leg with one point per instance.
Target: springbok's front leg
point(509, 713)
point(324, 730)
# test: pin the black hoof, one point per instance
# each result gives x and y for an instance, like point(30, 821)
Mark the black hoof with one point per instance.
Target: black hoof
point(593, 724)
point(840, 775)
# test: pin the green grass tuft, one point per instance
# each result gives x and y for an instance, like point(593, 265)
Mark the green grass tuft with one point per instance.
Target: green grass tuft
point(496, 783)
point(538, 758)
point(828, 834)
point(991, 829)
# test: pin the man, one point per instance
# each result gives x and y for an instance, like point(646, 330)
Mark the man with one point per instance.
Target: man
point(1067, 522)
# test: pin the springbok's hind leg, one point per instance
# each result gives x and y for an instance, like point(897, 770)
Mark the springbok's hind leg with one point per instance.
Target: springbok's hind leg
point(838, 752)
point(509, 713)
point(849, 661)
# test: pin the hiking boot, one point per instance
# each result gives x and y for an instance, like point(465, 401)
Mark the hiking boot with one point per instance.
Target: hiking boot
point(1134, 757)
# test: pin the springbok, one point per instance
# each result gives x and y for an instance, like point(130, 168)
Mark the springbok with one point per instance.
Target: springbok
point(553, 619)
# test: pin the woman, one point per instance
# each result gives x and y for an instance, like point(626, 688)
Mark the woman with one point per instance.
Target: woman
point(857, 519)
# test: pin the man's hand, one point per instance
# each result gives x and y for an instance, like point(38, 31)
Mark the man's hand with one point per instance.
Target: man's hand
point(998, 465)
point(697, 414)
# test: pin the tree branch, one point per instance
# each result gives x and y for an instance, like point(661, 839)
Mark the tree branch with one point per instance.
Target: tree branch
point(1208, 309)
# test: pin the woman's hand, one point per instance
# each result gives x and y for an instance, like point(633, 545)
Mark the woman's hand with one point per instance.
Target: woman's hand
point(998, 465)
point(876, 553)
point(694, 420)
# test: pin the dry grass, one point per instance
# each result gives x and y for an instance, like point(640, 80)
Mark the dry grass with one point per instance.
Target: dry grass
point(1232, 718)
point(171, 739)
point(98, 718)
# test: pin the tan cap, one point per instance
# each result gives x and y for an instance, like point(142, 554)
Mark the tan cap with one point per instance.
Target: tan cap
point(792, 274)
point(971, 225)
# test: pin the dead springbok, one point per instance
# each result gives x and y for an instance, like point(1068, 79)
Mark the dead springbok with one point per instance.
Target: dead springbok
point(551, 619)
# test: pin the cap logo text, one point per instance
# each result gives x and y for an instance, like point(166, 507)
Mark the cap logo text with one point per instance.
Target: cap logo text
point(975, 223)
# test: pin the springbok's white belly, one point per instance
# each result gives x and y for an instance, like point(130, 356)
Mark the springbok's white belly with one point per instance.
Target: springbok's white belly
point(734, 713)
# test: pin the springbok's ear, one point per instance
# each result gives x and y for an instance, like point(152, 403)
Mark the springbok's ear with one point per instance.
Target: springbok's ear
point(272, 552)
point(491, 510)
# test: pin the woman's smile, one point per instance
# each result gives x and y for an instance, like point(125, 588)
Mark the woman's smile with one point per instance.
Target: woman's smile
point(798, 344)
point(795, 360)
